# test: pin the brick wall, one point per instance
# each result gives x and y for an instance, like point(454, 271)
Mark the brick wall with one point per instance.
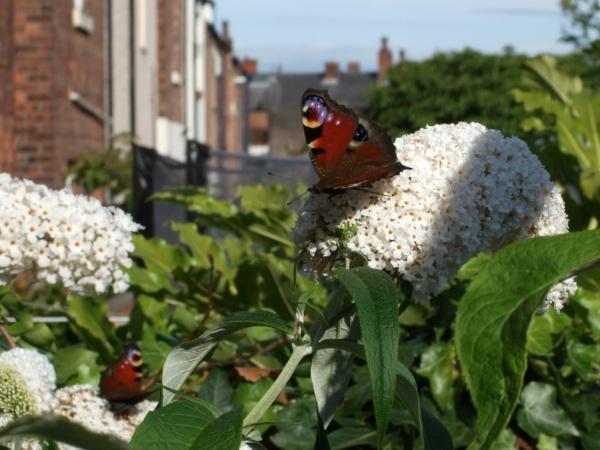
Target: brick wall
point(44, 57)
point(170, 58)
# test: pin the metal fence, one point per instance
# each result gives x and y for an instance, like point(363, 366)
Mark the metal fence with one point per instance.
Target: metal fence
point(220, 172)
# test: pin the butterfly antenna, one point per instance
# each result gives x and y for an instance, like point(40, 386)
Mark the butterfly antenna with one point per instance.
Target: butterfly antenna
point(281, 176)
point(297, 197)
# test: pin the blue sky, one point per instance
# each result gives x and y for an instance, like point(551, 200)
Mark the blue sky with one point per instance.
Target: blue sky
point(300, 36)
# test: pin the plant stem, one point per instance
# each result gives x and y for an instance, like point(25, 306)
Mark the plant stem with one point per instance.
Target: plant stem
point(9, 339)
point(286, 373)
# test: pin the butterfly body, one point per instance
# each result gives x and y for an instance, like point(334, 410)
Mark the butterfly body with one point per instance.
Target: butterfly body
point(346, 150)
point(122, 381)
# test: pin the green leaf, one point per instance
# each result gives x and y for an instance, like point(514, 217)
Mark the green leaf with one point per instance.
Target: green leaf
point(330, 372)
point(158, 255)
point(217, 390)
point(173, 427)
point(436, 365)
point(494, 315)
point(506, 440)
point(182, 360)
point(374, 293)
point(352, 438)
point(91, 321)
point(149, 281)
point(585, 359)
point(223, 433)
point(68, 360)
point(296, 427)
point(435, 435)
point(59, 429)
point(547, 443)
point(542, 414)
point(542, 328)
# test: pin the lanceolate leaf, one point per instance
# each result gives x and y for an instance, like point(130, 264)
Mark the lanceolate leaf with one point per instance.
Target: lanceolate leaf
point(374, 293)
point(183, 359)
point(495, 312)
point(59, 429)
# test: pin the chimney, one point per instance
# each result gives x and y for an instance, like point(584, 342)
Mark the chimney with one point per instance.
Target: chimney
point(402, 56)
point(250, 66)
point(354, 67)
point(385, 60)
point(331, 72)
point(225, 35)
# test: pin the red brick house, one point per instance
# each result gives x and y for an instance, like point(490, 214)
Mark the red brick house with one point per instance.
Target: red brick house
point(74, 73)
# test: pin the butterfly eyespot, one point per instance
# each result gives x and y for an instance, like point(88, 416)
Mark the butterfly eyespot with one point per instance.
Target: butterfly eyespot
point(360, 134)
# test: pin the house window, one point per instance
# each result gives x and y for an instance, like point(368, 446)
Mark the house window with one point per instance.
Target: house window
point(81, 18)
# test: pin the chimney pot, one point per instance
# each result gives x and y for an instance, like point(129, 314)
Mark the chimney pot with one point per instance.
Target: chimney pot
point(331, 70)
point(250, 66)
point(385, 60)
point(354, 67)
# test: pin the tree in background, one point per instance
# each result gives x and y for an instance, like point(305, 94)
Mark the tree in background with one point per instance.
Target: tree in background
point(451, 87)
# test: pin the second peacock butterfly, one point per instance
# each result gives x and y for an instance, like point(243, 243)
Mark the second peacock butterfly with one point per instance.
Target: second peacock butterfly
point(123, 382)
point(346, 150)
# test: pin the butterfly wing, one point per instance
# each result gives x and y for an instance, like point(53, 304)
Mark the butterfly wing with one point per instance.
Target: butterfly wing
point(346, 150)
point(122, 382)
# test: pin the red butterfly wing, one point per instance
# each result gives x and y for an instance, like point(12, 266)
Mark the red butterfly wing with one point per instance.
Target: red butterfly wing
point(346, 150)
point(122, 382)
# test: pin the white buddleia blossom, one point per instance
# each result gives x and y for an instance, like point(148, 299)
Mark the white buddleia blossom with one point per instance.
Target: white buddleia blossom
point(82, 404)
point(470, 189)
point(37, 374)
point(63, 237)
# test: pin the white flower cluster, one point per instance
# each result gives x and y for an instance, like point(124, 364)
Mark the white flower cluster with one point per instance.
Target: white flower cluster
point(63, 237)
point(36, 372)
point(469, 190)
point(80, 404)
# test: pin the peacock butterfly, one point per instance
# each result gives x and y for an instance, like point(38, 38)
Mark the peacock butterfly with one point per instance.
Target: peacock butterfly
point(122, 381)
point(346, 150)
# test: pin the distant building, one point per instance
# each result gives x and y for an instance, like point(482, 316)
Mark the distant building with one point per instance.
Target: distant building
point(274, 120)
point(74, 73)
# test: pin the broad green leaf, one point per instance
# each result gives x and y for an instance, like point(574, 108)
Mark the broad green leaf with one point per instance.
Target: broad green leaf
point(542, 414)
point(59, 429)
point(155, 347)
point(547, 443)
point(182, 360)
point(173, 427)
point(352, 438)
point(560, 85)
point(223, 433)
point(506, 440)
point(374, 293)
point(436, 365)
point(150, 281)
point(92, 322)
point(296, 427)
point(68, 360)
point(217, 390)
point(494, 315)
point(158, 255)
point(542, 328)
point(585, 359)
point(330, 372)
point(246, 395)
point(40, 335)
point(435, 435)
point(585, 409)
